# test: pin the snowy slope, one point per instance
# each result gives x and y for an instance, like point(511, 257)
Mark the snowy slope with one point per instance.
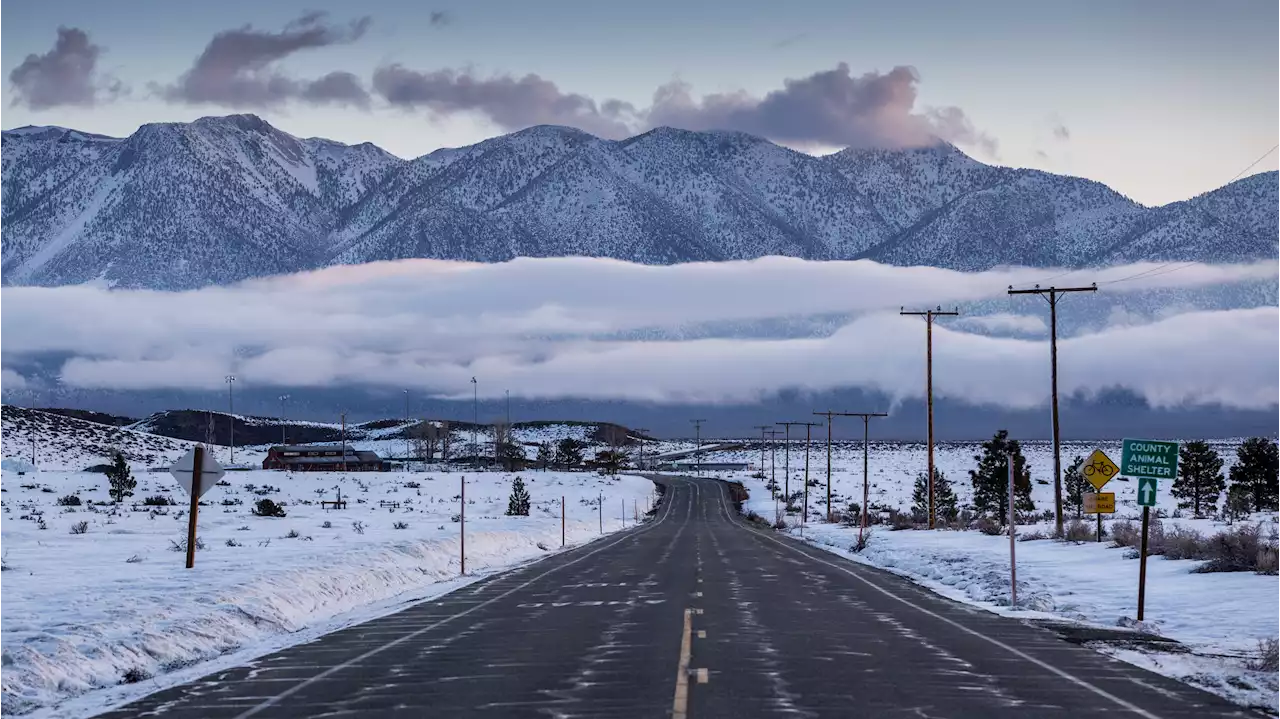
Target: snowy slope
point(67, 443)
point(227, 198)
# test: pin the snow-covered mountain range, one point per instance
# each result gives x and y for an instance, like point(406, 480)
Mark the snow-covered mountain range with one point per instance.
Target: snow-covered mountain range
point(223, 199)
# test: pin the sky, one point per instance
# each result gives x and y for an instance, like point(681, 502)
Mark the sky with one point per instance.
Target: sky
point(1161, 100)
point(550, 328)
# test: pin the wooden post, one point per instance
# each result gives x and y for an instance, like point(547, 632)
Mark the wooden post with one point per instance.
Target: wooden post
point(1142, 562)
point(462, 529)
point(562, 520)
point(600, 510)
point(1099, 526)
point(1013, 558)
point(195, 507)
point(866, 491)
point(624, 513)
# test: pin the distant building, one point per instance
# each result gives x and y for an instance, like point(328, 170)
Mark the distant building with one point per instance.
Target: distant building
point(322, 458)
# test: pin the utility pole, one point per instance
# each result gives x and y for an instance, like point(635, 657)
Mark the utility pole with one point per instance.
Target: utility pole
point(763, 428)
point(697, 428)
point(283, 437)
point(808, 427)
point(786, 462)
point(641, 431)
point(866, 492)
point(344, 444)
point(928, 383)
point(475, 420)
point(829, 414)
point(406, 428)
point(231, 416)
point(773, 462)
point(1051, 294)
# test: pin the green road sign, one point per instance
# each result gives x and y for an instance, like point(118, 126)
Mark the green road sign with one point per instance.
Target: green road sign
point(1146, 491)
point(1149, 458)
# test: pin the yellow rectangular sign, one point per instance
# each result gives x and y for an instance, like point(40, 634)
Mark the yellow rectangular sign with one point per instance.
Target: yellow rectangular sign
point(1099, 469)
point(1100, 503)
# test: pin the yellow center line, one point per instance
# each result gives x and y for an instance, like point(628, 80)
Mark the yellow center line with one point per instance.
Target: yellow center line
point(680, 705)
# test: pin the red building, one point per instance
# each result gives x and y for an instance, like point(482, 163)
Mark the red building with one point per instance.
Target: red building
point(321, 458)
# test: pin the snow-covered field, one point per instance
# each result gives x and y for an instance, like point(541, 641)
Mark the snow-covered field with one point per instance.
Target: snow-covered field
point(81, 611)
point(1219, 617)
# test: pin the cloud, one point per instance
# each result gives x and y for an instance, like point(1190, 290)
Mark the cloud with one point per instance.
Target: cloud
point(66, 75)
point(440, 18)
point(510, 102)
point(238, 67)
point(827, 108)
point(1061, 132)
point(1004, 322)
point(11, 380)
point(830, 107)
point(790, 40)
point(571, 327)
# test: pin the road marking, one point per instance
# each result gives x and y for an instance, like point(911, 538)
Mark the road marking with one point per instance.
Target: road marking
point(274, 700)
point(996, 642)
point(702, 634)
point(702, 675)
point(680, 703)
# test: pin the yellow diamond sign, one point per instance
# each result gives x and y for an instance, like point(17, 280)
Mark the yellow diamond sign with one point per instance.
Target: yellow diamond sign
point(1099, 469)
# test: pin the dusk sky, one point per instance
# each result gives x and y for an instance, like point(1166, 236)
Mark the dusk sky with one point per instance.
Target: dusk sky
point(1160, 100)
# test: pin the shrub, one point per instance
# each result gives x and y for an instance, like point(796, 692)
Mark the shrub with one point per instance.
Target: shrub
point(851, 516)
point(176, 546)
point(1034, 535)
point(233, 543)
point(901, 520)
point(861, 543)
point(268, 508)
point(1267, 561)
point(1079, 530)
point(135, 675)
point(412, 485)
point(80, 528)
point(158, 500)
point(1180, 543)
point(70, 500)
point(135, 559)
point(780, 523)
point(1125, 534)
point(327, 525)
point(988, 526)
point(357, 527)
point(291, 534)
point(1236, 550)
point(401, 525)
point(1268, 659)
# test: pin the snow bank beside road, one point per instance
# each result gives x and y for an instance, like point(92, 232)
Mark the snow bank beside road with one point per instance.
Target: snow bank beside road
point(82, 611)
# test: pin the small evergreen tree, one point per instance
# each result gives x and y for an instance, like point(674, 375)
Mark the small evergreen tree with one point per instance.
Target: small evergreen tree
point(569, 453)
point(518, 503)
point(511, 456)
point(545, 456)
point(1199, 482)
point(991, 478)
point(1077, 486)
point(1257, 470)
point(611, 461)
point(268, 508)
point(120, 479)
point(944, 497)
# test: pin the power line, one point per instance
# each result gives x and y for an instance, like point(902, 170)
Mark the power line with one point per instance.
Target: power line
point(1251, 164)
point(928, 384)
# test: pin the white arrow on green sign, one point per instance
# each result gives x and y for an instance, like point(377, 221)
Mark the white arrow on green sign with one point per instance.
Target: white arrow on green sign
point(1146, 491)
point(1149, 458)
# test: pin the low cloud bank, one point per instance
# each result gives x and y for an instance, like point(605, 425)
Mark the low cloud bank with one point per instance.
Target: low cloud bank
point(539, 328)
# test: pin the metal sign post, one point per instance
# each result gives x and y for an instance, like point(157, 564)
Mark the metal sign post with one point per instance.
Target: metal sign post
point(1099, 469)
point(1013, 536)
point(562, 520)
point(462, 527)
point(195, 507)
point(1148, 460)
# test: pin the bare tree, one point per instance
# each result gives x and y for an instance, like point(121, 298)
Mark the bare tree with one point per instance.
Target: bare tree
point(425, 437)
point(446, 439)
point(501, 436)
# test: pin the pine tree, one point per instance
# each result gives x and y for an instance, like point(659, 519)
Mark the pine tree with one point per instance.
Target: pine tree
point(545, 456)
point(1256, 470)
point(518, 503)
point(1199, 482)
point(991, 478)
point(569, 452)
point(120, 479)
point(944, 497)
point(1077, 486)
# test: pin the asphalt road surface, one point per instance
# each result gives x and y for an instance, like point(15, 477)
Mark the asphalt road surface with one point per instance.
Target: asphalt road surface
point(693, 614)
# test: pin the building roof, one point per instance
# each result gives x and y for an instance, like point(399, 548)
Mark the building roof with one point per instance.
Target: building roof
point(311, 448)
point(348, 459)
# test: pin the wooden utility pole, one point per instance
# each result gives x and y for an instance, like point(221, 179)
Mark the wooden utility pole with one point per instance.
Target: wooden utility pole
point(195, 505)
point(462, 525)
point(786, 462)
point(344, 445)
point(1051, 295)
point(866, 491)
point(928, 315)
point(763, 428)
point(640, 432)
point(697, 428)
point(562, 520)
point(808, 436)
point(773, 461)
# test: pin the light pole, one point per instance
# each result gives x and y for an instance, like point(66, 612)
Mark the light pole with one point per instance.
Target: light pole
point(283, 438)
point(406, 428)
point(231, 416)
point(475, 420)
point(641, 432)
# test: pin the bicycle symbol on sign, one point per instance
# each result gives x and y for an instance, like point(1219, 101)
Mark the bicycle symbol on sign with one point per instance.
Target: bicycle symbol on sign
point(1101, 468)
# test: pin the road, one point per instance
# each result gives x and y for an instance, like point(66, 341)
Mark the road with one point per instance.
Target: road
point(691, 615)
